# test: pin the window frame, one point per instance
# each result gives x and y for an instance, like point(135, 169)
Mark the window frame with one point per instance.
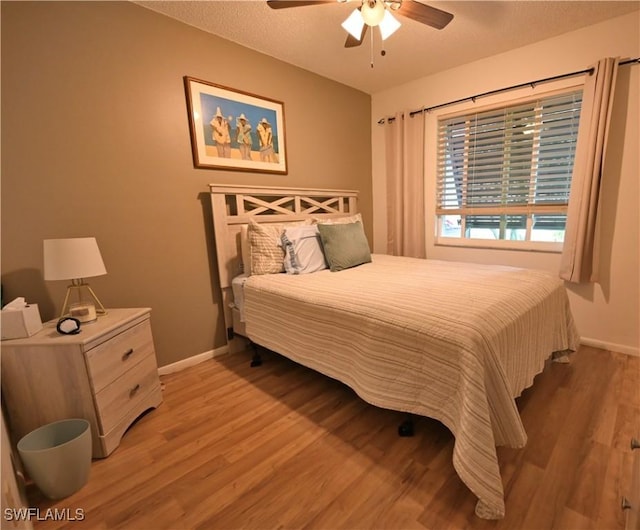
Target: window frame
point(529, 210)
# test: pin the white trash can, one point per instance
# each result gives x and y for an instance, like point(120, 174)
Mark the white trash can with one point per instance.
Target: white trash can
point(57, 456)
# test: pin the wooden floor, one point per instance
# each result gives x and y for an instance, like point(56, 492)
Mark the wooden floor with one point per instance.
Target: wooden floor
point(281, 446)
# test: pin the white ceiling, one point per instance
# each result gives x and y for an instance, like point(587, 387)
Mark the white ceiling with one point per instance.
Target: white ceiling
point(311, 36)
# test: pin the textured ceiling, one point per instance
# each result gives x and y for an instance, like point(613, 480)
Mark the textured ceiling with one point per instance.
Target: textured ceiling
point(311, 36)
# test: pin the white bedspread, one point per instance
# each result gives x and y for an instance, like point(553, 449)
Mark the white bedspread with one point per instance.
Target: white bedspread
point(452, 341)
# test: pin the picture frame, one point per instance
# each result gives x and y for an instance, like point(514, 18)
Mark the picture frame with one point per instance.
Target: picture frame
point(235, 130)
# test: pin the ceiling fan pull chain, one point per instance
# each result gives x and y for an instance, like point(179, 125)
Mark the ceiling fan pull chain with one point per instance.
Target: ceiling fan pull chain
point(371, 33)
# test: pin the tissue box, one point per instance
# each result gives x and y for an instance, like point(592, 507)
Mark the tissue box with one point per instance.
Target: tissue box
point(20, 323)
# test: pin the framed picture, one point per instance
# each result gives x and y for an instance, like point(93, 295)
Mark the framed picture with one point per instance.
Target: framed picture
point(235, 130)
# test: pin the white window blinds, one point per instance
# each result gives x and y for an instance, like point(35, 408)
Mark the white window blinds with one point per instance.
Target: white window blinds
point(509, 167)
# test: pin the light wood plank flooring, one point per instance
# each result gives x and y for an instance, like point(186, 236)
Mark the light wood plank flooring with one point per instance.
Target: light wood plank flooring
point(281, 446)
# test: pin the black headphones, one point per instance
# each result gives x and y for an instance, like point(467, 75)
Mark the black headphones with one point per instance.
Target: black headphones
point(68, 326)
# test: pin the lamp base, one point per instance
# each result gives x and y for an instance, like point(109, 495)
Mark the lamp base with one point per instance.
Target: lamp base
point(85, 311)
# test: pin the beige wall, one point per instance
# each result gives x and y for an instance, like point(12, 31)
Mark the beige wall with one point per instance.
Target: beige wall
point(607, 315)
point(95, 142)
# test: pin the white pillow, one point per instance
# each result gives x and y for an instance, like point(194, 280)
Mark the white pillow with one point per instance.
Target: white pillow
point(339, 220)
point(302, 250)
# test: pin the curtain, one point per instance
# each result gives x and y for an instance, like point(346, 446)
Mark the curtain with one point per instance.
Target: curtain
point(580, 256)
point(404, 149)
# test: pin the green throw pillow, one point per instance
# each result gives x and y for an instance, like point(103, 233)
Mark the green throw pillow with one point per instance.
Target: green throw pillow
point(344, 245)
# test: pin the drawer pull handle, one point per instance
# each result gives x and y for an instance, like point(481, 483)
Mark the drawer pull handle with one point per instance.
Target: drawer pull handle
point(635, 444)
point(127, 354)
point(625, 505)
point(134, 390)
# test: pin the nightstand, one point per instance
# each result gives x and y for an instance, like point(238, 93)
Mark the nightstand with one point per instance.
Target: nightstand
point(107, 374)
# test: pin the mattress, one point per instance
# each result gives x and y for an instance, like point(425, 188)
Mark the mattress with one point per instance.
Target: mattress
point(452, 341)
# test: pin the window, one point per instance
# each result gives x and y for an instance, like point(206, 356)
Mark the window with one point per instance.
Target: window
point(504, 174)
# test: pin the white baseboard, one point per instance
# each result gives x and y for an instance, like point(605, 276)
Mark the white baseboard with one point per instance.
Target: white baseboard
point(192, 361)
point(610, 346)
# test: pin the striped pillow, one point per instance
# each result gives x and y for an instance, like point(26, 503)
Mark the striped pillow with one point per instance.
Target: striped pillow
point(267, 254)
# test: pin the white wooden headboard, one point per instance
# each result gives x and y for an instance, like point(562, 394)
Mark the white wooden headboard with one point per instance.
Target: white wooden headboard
point(233, 206)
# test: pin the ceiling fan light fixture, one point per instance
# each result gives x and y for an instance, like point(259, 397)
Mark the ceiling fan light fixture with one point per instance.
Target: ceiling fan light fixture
point(388, 25)
point(354, 24)
point(373, 12)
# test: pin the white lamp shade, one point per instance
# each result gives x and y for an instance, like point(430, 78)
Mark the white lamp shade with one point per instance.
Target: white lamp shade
point(75, 258)
point(354, 24)
point(389, 25)
point(372, 12)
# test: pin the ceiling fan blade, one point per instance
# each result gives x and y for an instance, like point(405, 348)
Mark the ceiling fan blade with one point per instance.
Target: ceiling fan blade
point(281, 4)
point(424, 14)
point(352, 42)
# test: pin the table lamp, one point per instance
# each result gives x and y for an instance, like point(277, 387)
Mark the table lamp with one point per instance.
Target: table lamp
point(76, 259)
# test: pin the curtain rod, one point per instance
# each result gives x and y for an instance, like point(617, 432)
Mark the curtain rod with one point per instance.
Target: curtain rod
point(532, 84)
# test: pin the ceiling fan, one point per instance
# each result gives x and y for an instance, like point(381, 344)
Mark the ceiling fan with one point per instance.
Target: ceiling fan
point(376, 13)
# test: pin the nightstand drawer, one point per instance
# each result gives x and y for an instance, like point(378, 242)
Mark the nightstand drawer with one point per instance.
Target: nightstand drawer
point(117, 399)
point(110, 360)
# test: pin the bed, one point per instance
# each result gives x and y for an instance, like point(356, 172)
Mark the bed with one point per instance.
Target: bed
point(452, 341)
